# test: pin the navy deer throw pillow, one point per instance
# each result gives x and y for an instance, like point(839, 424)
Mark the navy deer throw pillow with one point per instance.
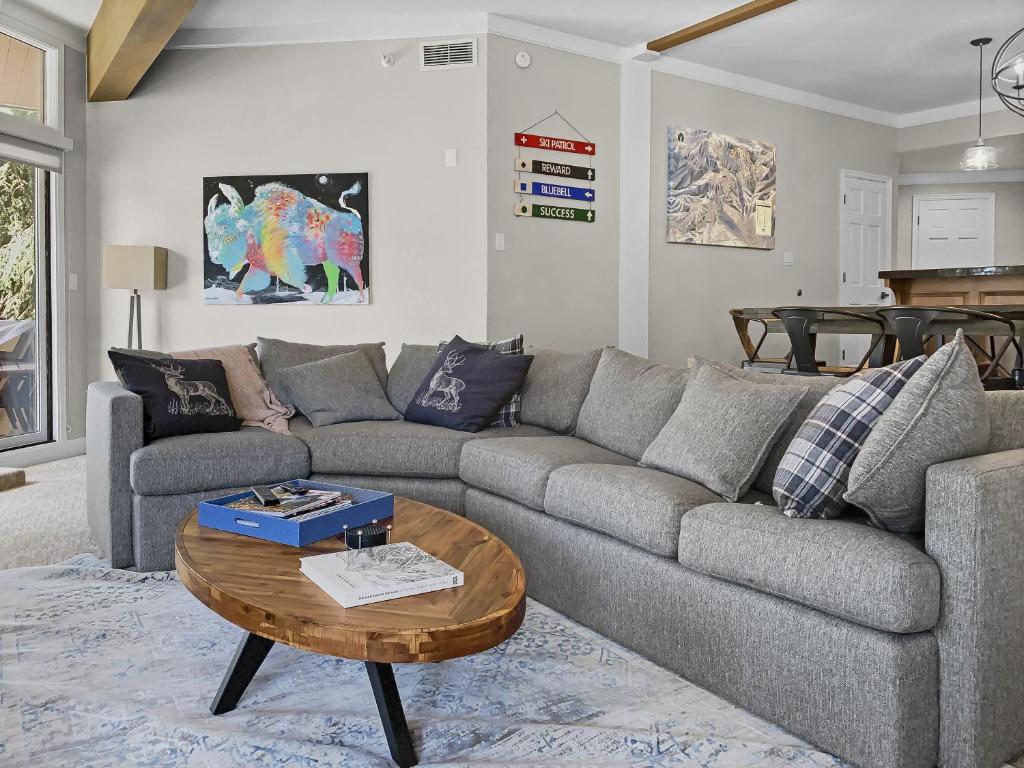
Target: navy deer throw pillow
point(179, 397)
point(467, 386)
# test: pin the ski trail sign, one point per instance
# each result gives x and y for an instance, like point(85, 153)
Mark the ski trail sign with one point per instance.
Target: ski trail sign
point(555, 144)
point(548, 168)
point(547, 189)
point(585, 215)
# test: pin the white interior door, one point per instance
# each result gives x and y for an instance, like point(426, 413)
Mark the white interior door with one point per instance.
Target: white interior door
point(865, 249)
point(954, 231)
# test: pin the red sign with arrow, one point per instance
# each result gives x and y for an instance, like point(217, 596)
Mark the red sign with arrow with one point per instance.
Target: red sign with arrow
point(577, 146)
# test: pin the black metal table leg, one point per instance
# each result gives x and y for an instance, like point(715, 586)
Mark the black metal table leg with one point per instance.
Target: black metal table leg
point(252, 650)
point(389, 704)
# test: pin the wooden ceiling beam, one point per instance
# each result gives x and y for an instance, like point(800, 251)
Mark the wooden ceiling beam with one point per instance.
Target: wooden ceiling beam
point(715, 23)
point(124, 41)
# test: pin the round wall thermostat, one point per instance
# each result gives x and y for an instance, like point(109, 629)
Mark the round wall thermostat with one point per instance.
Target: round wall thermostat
point(523, 59)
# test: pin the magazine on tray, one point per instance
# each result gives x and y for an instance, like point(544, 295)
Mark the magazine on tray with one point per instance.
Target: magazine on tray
point(375, 574)
point(291, 505)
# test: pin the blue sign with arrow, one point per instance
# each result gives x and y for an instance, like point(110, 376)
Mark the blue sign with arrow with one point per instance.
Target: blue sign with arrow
point(547, 189)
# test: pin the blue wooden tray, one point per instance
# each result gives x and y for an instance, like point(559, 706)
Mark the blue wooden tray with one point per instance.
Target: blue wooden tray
point(367, 507)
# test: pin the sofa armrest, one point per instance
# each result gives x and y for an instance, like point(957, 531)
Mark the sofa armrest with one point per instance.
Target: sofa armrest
point(113, 433)
point(974, 530)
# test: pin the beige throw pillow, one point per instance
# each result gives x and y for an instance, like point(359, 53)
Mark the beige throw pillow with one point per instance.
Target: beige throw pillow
point(252, 398)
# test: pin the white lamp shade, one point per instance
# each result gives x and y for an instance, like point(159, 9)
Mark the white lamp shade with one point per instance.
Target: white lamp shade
point(138, 267)
point(979, 157)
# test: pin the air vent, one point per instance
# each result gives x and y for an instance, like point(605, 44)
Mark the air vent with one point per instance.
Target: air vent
point(448, 54)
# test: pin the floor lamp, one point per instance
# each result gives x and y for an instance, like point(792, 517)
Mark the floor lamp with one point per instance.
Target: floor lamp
point(137, 268)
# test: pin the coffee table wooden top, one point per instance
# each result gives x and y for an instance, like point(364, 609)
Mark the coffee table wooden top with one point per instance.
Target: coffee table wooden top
point(257, 586)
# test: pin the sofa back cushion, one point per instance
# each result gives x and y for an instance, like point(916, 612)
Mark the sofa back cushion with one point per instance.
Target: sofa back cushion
point(629, 401)
point(338, 389)
point(276, 355)
point(409, 370)
point(940, 415)
point(817, 387)
point(556, 386)
point(1006, 416)
point(722, 430)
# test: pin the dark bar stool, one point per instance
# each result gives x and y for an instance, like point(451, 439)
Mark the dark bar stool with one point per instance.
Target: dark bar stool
point(913, 329)
point(798, 322)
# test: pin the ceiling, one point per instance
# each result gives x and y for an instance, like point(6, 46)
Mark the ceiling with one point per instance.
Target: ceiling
point(895, 56)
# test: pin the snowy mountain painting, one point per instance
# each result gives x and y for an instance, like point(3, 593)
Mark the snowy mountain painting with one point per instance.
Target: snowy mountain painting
point(721, 190)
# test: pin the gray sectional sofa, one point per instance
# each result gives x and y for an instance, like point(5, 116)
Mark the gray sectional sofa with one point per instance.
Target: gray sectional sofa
point(888, 651)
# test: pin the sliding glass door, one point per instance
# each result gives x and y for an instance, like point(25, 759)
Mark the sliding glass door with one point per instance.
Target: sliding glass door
point(27, 98)
point(24, 311)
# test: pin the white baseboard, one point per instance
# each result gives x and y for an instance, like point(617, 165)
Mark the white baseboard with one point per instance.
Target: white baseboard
point(40, 454)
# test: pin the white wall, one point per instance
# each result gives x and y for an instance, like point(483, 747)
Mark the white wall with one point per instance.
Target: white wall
point(295, 109)
point(556, 282)
point(694, 286)
point(1009, 221)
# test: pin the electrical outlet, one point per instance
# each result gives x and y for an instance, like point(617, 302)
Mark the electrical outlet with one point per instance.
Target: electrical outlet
point(499, 241)
point(787, 258)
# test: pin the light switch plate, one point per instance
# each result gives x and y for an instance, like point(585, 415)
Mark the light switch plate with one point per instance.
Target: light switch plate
point(451, 158)
point(499, 241)
point(787, 258)
point(72, 281)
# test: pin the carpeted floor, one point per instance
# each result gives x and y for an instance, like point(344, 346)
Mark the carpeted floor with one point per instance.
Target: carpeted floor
point(104, 667)
point(44, 521)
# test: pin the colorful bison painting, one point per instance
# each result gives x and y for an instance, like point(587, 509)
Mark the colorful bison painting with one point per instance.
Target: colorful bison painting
point(286, 239)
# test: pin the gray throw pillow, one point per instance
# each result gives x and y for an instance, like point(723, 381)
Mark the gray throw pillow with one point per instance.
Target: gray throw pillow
point(629, 401)
point(412, 366)
point(556, 386)
point(338, 389)
point(817, 388)
point(722, 431)
point(940, 415)
point(276, 355)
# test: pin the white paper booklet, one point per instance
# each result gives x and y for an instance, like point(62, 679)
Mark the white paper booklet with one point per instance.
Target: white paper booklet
point(374, 574)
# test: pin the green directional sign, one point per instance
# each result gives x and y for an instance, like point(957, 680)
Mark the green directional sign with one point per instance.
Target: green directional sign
point(556, 212)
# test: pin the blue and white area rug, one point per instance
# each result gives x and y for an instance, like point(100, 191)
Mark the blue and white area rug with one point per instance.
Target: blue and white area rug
point(102, 667)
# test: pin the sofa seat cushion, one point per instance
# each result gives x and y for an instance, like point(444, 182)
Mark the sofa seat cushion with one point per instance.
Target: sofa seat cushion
point(203, 462)
point(841, 567)
point(518, 468)
point(399, 448)
point(636, 505)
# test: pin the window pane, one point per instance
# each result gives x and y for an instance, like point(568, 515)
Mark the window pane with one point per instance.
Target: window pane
point(19, 382)
point(21, 78)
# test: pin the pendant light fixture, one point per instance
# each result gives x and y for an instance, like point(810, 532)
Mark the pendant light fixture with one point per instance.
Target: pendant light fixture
point(980, 156)
point(1008, 72)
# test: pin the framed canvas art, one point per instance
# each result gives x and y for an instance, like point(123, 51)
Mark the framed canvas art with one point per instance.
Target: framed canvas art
point(301, 238)
point(721, 190)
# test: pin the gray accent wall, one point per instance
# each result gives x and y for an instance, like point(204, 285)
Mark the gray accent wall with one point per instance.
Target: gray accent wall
point(77, 376)
point(556, 282)
point(694, 286)
point(288, 109)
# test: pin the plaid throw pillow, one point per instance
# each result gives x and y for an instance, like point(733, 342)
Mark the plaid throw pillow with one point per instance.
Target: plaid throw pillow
point(510, 413)
point(813, 473)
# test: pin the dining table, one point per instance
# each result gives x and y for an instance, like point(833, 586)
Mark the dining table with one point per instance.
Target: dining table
point(976, 327)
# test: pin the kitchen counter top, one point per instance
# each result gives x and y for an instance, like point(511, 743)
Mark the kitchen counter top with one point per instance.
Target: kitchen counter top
point(899, 274)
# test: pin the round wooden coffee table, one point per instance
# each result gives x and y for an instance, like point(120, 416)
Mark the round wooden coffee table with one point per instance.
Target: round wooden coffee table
point(257, 586)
